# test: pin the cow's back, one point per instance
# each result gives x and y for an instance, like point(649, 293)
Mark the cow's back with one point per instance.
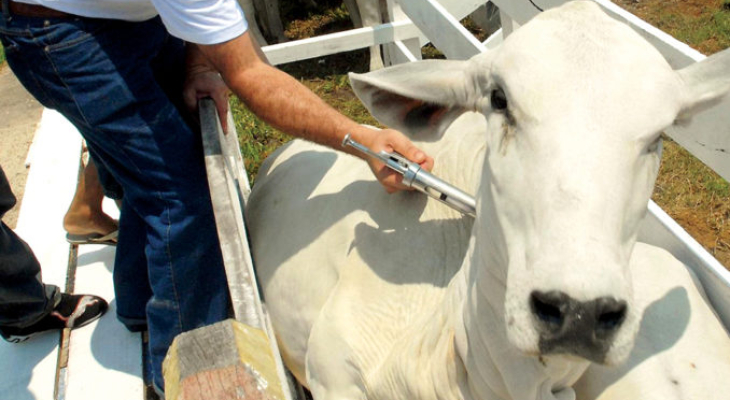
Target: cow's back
point(328, 240)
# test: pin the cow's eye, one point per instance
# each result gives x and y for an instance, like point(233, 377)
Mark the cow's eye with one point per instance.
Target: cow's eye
point(498, 100)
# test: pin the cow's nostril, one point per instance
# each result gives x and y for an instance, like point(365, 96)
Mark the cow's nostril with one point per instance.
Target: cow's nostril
point(611, 314)
point(548, 308)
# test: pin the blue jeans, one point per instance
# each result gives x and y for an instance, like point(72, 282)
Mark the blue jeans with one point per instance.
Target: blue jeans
point(119, 83)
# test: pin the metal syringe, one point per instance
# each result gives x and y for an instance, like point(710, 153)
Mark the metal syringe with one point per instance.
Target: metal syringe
point(416, 177)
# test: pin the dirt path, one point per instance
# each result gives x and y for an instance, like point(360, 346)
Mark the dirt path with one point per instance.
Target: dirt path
point(19, 116)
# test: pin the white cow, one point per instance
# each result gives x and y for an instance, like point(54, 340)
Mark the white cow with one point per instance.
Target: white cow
point(377, 296)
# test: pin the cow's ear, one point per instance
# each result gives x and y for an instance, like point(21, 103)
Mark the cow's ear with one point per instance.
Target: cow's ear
point(707, 82)
point(419, 98)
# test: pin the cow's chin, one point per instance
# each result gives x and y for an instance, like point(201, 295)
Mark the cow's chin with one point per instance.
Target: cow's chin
point(524, 336)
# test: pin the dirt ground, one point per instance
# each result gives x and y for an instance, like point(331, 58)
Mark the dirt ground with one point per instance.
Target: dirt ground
point(20, 114)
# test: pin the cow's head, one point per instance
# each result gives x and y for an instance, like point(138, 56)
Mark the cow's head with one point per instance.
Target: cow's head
point(575, 103)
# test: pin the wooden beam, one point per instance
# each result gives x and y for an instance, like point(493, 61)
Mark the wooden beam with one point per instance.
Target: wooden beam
point(227, 208)
point(223, 361)
point(229, 188)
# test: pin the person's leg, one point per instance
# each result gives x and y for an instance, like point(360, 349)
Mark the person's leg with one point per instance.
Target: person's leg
point(24, 299)
point(28, 306)
point(85, 220)
point(99, 76)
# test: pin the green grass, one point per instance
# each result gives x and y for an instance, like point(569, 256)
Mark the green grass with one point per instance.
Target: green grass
point(713, 28)
point(2, 55)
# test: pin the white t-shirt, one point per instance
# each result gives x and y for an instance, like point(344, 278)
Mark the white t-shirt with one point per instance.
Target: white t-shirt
point(196, 21)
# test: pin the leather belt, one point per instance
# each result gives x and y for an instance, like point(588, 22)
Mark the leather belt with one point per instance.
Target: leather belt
point(34, 10)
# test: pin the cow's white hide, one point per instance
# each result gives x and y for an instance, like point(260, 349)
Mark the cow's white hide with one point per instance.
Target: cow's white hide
point(396, 297)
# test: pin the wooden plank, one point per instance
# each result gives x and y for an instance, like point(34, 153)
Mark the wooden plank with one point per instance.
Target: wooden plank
point(222, 361)
point(104, 358)
point(445, 31)
point(229, 220)
point(229, 189)
point(340, 42)
point(28, 370)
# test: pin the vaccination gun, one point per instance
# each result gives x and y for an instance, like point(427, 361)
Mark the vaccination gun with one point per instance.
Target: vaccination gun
point(415, 177)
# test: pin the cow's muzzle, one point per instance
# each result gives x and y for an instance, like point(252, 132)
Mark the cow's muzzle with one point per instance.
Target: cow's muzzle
point(581, 328)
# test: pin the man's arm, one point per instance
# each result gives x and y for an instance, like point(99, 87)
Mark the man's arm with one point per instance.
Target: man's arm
point(286, 104)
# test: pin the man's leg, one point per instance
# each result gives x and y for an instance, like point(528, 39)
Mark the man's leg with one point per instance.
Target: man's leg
point(24, 299)
point(105, 85)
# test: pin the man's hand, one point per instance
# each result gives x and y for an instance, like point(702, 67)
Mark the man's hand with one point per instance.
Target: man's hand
point(393, 141)
point(202, 81)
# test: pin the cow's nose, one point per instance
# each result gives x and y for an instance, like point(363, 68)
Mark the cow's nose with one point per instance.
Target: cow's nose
point(582, 328)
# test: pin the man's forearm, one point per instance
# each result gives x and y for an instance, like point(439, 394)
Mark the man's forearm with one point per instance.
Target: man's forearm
point(282, 101)
point(278, 98)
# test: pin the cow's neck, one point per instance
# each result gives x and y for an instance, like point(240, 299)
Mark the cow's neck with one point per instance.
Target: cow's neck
point(461, 352)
